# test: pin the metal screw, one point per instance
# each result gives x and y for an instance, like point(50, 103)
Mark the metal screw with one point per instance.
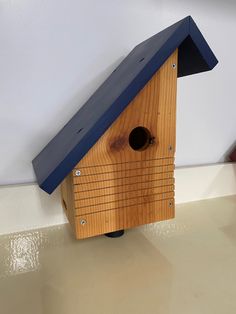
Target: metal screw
point(174, 65)
point(83, 222)
point(170, 204)
point(77, 173)
point(152, 140)
point(170, 147)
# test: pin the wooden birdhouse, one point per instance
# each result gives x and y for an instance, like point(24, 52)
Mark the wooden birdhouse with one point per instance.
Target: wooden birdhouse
point(115, 158)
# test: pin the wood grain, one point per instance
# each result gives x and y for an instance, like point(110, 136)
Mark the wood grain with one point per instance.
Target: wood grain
point(119, 187)
point(122, 189)
point(134, 197)
point(154, 108)
point(123, 218)
point(122, 166)
point(126, 174)
point(68, 200)
point(127, 183)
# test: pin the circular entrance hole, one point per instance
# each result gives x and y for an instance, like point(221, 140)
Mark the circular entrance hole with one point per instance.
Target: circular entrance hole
point(140, 138)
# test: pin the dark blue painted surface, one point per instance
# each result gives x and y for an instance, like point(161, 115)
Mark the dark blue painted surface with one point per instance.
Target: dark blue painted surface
point(68, 147)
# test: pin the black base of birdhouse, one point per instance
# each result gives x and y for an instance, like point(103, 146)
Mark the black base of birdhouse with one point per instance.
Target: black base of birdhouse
point(115, 234)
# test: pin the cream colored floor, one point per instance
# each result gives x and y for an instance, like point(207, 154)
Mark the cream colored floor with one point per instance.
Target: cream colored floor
point(183, 266)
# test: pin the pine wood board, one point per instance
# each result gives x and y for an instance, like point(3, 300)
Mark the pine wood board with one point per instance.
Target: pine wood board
point(122, 166)
point(122, 189)
point(154, 108)
point(123, 218)
point(126, 183)
point(167, 192)
point(123, 175)
point(67, 199)
point(119, 187)
point(113, 202)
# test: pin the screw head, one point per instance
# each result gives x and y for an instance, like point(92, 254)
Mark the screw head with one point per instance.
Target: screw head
point(77, 173)
point(152, 140)
point(170, 203)
point(174, 65)
point(170, 147)
point(83, 222)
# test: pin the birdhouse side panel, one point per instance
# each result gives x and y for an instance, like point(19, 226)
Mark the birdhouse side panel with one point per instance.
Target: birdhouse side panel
point(68, 200)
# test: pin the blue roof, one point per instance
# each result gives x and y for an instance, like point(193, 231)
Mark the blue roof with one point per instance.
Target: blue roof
point(69, 146)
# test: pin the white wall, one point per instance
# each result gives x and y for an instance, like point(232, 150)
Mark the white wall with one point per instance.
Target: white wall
point(55, 53)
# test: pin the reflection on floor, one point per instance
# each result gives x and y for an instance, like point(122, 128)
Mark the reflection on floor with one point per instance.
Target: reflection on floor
point(186, 265)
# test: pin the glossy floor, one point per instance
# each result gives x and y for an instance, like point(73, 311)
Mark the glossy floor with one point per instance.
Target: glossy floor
point(186, 265)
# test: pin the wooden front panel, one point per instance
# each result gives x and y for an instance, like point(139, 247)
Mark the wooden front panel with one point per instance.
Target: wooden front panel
point(105, 195)
point(122, 200)
point(127, 217)
point(153, 108)
point(119, 187)
point(128, 176)
point(111, 186)
point(122, 166)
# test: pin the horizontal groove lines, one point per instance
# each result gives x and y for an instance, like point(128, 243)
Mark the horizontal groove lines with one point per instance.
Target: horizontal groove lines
point(126, 174)
point(135, 183)
point(126, 188)
point(122, 203)
point(116, 187)
point(123, 218)
point(123, 166)
point(124, 181)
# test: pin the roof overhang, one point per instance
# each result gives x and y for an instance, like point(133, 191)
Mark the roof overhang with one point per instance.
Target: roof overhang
point(69, 146)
